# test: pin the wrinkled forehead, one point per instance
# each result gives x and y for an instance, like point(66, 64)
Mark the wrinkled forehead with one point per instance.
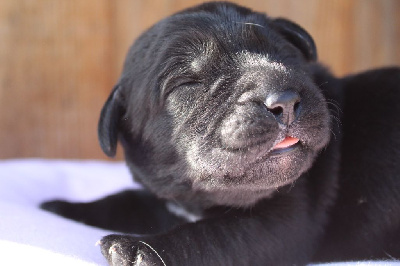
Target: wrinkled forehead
point(240, 60)
point(228, 45)
point(209, 55)
point(248, 60)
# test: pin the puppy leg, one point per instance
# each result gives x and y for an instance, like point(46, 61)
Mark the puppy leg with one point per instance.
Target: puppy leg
point(273, 234)
point(130, 211)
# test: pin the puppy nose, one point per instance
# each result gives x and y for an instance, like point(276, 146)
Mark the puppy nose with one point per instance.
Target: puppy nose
point(284, 106)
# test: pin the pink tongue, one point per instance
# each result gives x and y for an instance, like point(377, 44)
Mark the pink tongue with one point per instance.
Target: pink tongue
point(287, 142)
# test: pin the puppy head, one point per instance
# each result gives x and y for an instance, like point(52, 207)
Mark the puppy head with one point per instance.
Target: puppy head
point(217, 105)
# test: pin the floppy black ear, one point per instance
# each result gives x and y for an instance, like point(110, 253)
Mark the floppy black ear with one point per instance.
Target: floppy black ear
point(297, 36)
point(110, 117)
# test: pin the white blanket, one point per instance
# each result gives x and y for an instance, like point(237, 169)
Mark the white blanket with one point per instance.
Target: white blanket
point(31, 236)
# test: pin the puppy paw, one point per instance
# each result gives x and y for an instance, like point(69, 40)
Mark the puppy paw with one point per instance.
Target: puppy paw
point(128, 250)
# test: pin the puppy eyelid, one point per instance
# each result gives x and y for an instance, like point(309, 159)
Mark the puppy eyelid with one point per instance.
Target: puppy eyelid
point(189, 83)
point(172, 84)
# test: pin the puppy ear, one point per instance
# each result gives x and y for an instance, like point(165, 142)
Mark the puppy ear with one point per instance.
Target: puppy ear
point(110, 118)
point(297, 36)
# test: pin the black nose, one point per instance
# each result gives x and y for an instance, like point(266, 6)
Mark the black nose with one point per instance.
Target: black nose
point(284, 105)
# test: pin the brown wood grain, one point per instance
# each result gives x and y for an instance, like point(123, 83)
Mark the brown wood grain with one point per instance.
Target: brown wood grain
point(60, 59)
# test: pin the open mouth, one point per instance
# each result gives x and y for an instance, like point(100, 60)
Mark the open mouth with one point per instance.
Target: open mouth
point(286, 145)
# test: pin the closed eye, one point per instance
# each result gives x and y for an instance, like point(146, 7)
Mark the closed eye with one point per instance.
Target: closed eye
point(171, 84)
point(189, 84)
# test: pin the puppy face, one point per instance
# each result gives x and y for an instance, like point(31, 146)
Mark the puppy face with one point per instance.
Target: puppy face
point(217, 106)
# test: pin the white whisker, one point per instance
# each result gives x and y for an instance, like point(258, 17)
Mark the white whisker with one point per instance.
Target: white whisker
point(154, 251)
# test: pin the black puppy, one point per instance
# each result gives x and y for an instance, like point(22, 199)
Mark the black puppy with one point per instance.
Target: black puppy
point(255, 154)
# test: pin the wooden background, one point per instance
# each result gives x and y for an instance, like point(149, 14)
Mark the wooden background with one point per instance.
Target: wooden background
point(60, 58)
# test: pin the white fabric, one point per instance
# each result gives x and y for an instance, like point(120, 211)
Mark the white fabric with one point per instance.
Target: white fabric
point(31, 236)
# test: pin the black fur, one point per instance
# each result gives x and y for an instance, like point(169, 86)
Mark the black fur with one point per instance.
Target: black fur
point(204, 97)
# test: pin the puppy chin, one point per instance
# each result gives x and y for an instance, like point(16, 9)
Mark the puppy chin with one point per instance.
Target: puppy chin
point(236, 182)
point(255, 167)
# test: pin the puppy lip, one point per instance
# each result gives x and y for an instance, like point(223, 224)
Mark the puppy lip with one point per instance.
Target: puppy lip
point(284, 151)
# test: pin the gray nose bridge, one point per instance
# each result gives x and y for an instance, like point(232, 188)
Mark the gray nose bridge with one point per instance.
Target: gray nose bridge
point(271, 80)
point(271, 85)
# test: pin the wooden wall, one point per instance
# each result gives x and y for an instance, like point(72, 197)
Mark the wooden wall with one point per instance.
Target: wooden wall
point(60, 59)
